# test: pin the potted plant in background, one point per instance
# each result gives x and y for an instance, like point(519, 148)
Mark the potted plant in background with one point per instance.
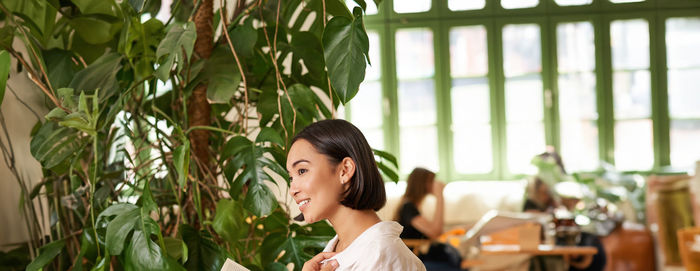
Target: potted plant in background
point(163, 137)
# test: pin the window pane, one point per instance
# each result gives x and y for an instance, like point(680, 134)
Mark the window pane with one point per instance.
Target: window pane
point(524, 99)
point(419, 148)
point(633, 145)
point(577, 99)
point(371, 7)
point(412, 6)
point(579, 145)
point(626, 1)
point(456, 5)
point(468, 53)
point(629, 41)
point(685, 143)
point(414, 53)
point(575, 47)
point(375, 137)
point(632, 94)
point(374, 71)
point(472, 149)
point(573, 2)
point(366, 109)
point(513, 4)
point(684, 93)
point(521, 49)
point(682, 42)
point(525, 140)
point(416, 103)
point(470, 101)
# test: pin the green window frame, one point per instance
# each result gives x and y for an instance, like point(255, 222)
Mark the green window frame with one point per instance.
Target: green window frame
point(547, 14)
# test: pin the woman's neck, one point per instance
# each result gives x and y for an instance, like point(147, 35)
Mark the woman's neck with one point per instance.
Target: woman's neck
point(349, 224)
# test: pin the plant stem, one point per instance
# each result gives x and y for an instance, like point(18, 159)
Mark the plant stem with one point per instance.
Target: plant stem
point(92, 191)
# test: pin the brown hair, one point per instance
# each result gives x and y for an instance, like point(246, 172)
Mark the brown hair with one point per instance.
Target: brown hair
point(337, 139)
point(416, 187)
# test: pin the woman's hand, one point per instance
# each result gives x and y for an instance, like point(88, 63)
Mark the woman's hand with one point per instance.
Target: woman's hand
point(437, 188)
point(315, 263)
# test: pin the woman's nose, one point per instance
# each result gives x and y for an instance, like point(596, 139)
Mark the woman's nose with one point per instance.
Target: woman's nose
point(293, 188)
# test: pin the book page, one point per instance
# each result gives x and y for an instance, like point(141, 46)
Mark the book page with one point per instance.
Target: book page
point(230, 265)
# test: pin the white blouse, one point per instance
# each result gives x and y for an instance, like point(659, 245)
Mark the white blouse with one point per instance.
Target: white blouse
point(377, 248)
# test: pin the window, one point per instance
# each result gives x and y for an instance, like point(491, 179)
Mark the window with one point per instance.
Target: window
point(632, 94)
point(470, 94)
point(478, 96)
point(515, 4)
point(416, 98)
point(412, 6)
point(578, 114)
point(457, 5)
point(522, 66)
point(682, 42)
point(573, 2)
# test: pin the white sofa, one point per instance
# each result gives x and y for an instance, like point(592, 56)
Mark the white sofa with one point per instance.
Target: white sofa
point(465, 201)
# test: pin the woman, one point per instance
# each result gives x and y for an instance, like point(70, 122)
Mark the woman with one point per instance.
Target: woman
point(334, 176)
point(419, 184)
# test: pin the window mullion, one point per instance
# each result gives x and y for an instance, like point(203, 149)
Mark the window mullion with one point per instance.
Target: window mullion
point(659, 92)
point(604, 92)
point(497, 83)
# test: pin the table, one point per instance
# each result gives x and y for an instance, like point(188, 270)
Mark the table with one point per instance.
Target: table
point(540, 250)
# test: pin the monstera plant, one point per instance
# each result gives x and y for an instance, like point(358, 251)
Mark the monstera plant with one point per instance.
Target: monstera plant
point(164, 135)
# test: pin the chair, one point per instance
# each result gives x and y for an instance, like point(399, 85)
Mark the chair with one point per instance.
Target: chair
point(689, 247)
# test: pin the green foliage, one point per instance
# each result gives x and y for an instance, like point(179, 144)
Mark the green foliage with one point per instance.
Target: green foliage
point(4, 72)
point(48, 252)
point(179, 38)
point(117, 148)
point(346, 47)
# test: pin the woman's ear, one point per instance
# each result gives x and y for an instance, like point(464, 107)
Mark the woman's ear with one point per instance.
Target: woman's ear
point(347, 170)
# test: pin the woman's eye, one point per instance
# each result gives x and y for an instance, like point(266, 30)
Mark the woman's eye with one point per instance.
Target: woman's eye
point(301, 171)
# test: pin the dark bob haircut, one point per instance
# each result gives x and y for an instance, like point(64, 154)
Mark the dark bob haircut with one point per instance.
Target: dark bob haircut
point(338, 139)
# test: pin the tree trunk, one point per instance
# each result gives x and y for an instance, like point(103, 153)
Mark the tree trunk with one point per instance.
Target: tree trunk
point(198, 108)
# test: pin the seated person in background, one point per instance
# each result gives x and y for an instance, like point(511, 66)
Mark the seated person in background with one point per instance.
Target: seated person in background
point(420, 183)
point(539, 197)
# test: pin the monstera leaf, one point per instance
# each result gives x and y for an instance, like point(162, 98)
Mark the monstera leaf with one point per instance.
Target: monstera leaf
point(346, 48)
point(298, 245)
point(178, 38)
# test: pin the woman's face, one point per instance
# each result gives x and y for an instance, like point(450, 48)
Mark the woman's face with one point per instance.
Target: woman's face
point(316, 184)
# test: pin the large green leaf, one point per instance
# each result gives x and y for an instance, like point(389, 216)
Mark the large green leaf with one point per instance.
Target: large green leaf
point(99, 75)
point(346, 48)
point(228, 222)
point(116, 209)
point(105, 7)
point(7, 34)
point(48, 252)
point(4, 72)
point(181, 159)
point(144, 254)
point(54, 145)
point(179, 37)
point(60, 67)
point(259, 200)
point(299, 245)
point(176, 248)
point(243, 38)
point(203, 253)
point(33, 12)
point(307, 46)
point(119, 229)
point(93, 30)
point(222, 75)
